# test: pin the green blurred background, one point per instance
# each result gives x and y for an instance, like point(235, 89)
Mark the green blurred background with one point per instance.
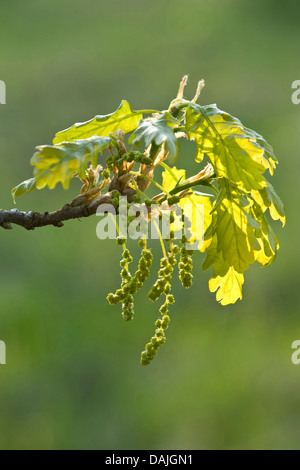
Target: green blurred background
point(73, 379)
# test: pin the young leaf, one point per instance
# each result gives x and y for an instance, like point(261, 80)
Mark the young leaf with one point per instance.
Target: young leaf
point(267, 198)
point(157, 131)
point(123, 118)
point(268, 242)
point(234, 233)
point(25, 187)
point(225, 280)
point(170, 179)
point(241, 236)
point(236, 152)
point(54, 163)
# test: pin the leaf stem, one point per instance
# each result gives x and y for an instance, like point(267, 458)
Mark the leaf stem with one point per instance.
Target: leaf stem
point(159, 186)
point(160, 238)
point(136, 188)
point(118, 229)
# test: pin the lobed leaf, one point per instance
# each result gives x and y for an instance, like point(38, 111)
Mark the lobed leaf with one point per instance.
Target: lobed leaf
point(240, 235)
point(59, 163)
point(123, 118)
point(158, 131)
point(25, 187)
point(268, 199)
point(236, 152)
point(235, 234)
point(171, 178)
point(266, 238)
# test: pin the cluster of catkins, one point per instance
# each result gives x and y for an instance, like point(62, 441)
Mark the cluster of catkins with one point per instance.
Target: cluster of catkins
point(162, 286)
point(131, 284)
point(185, 264)
point(129, 157)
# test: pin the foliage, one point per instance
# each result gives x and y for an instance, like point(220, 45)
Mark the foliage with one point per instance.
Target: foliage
point(236, 207)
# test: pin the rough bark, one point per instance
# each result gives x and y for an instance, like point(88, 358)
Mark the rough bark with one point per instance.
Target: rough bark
point(31, 220)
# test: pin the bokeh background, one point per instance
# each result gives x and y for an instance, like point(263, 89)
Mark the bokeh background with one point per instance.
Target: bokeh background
point(225, 379)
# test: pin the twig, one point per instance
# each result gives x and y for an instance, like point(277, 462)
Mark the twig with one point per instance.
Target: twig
point(31, 220)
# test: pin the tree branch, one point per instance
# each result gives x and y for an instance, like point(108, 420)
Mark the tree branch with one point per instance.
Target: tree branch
point(84, 206)
point(30, 220)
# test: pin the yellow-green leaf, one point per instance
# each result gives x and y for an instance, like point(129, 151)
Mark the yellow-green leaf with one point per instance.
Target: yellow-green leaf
point(227, 285)
point(171, 177)
point(25, 187)
point(241, 236)
point(200, 207)
point(225, 280)
point(236, 152)
point(59, 163)
point(234, 232)
point(268, 241)
point(267, 198)
point(123, 118)
point(200, 210)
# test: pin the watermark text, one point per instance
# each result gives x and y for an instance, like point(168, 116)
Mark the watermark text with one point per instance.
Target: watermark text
point(2, 353)
point(156, 222)
point(296, 93)
point(296, 354)
point(2, 92)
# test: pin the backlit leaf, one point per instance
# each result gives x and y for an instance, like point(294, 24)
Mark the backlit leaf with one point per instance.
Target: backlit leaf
point(200, 210)
point(225, 280)
point(25, 187)
point(236, 152)
point(59, 163)
point(241, 235)
point(123, 118)
point(234, 232)
point(267, 198)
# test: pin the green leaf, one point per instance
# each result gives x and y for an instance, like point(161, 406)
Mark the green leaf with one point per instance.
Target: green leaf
point(235, 235)
point(157, 131)
point(171, 177)
point(203, 217)
point(240, 231)
point(25, 187)
point(123, 118)
point(236, 152)
point(225, 280)
point(268, 242)
point(240, 235)
point(59, 163)
point(267, 198)
point(227, 283)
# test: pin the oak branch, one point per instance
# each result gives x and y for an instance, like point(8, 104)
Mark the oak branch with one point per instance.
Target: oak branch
point(31, 220)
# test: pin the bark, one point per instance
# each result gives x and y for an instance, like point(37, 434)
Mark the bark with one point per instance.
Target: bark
point(31, 220)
